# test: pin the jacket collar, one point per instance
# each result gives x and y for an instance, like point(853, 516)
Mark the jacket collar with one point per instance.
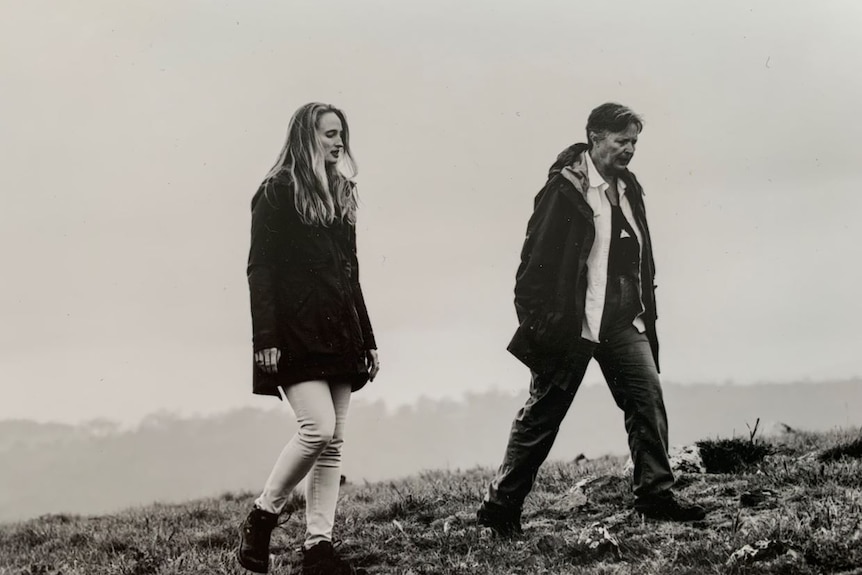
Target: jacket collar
point(575, 165)
point(595, 179)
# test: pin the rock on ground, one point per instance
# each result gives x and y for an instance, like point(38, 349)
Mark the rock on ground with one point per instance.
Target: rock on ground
point(685, 459)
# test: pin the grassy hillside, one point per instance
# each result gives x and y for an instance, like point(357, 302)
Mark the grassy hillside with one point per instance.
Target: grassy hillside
point(799, 508)
point(172, 459)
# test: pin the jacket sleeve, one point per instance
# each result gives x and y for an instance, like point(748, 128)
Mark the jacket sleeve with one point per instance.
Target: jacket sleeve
point(358, 298)
point(546, 233)
point(261, 273)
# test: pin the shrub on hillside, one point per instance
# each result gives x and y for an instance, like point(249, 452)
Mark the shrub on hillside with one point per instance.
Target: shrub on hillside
point(731, 455)
point(851, 449)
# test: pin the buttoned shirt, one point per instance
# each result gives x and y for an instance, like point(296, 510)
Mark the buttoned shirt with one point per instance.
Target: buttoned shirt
point(597, 262)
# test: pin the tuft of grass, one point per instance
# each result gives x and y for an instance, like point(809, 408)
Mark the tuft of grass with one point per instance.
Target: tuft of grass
point(832, 556)
point(731, 455)
point(734, 455)
point(851, 449)
point(31, 537)
point(405, 506)
point(219, 538)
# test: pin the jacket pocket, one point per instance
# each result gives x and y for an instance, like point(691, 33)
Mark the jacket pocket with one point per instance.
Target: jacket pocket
point(551, 331)
point(543, 340)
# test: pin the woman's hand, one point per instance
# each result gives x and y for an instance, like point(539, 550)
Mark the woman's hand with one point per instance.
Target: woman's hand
point(372, 362)
point(267, 359)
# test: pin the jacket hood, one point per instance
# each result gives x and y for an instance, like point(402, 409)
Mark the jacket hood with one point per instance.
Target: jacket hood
point(566, 158)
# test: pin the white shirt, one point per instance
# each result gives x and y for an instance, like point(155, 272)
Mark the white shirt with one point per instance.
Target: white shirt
point(597, 263)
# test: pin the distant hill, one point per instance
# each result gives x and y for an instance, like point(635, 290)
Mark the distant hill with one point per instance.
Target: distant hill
point(98, 468)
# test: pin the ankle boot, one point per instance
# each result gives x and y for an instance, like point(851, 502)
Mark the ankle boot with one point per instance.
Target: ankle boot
point(255, 533)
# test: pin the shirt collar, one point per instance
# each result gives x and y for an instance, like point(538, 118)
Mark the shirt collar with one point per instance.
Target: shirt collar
point(596, 179)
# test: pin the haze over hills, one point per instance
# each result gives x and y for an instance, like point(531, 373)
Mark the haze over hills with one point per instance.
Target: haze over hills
point(99, 467)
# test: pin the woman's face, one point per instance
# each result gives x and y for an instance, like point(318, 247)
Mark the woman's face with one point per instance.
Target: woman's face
point(329, 134)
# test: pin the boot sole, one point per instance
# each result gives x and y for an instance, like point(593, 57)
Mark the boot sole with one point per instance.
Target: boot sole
point(255, 567)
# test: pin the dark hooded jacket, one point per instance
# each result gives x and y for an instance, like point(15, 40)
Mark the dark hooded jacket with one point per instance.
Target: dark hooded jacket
point(305, 296)
point(551, 282)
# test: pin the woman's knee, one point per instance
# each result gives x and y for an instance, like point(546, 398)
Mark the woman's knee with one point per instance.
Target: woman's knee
point(317, 433)
point(333, 450)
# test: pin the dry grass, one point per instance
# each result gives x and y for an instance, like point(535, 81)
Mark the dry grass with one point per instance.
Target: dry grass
point(810, 508)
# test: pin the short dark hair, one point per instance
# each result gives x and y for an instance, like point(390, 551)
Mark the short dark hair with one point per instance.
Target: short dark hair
point(612, 117)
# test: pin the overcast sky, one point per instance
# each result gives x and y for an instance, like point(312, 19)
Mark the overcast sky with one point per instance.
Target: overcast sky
point(133, 134)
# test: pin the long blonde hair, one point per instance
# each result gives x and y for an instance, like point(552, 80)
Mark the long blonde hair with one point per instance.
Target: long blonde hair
point(322, 193)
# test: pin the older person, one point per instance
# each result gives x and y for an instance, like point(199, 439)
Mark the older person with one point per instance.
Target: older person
point(584, 290)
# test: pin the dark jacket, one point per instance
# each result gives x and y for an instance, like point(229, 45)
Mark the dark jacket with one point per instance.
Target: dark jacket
point(305, 296)
point(551, 283)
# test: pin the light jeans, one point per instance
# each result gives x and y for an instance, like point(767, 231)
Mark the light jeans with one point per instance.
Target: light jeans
point(315, 451)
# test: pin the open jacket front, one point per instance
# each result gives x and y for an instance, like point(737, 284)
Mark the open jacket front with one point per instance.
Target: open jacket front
point(551, 283)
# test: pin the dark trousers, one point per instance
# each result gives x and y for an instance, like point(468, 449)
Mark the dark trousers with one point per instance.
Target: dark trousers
point(627, 363)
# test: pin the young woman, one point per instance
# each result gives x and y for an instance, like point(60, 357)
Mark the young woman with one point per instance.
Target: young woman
point(313, 343)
